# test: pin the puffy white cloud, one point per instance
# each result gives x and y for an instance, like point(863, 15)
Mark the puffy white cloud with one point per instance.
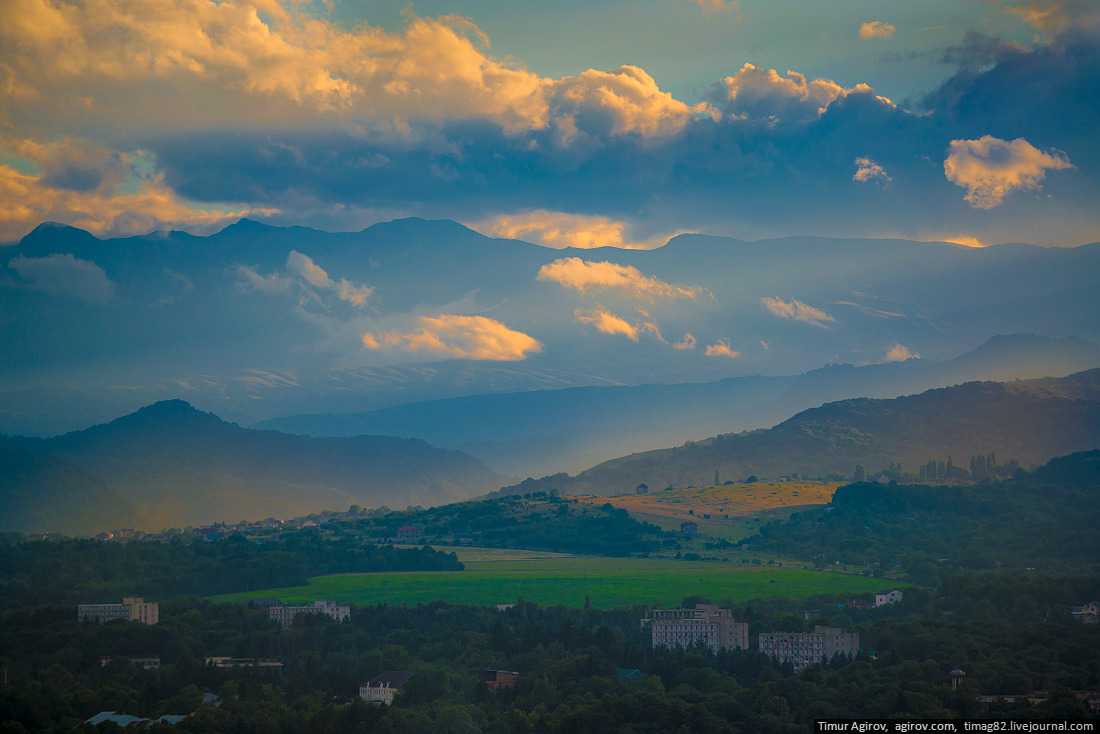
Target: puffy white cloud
point(876, 29)
point(585, 275)
point(561, 230)
point(722, 349)
point(762, 94)
point(453, 336)
point(687, 341)
point(868, 170)
point(899, 353)
point(316, 276)
point(796, 311)
point(990, 168)
point(250, 280)
point(606, 322)
point(66, 276)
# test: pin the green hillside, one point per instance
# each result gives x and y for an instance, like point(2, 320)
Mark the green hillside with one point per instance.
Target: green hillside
point(1030, 421)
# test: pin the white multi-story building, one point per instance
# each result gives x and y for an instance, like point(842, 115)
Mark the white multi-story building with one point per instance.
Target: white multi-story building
point(382, 687)
point(706, 623)
point(805, 648)
point(888, 596)
point(284, 615)
point(132, 608)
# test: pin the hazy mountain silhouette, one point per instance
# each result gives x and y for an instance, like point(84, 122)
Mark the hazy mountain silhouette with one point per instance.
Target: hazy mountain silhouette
point(548, 431)
point(179, 466)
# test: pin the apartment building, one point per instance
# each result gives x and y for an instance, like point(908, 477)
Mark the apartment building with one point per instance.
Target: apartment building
point(132, 608)
point(685, 628)
point(805, 648)
point(284, 615)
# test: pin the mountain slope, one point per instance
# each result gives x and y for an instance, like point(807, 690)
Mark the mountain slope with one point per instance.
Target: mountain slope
point(548, 431)
point(1030, 421)
point(180, 466)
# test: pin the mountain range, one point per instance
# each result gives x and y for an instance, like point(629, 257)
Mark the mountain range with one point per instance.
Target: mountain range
point(258, 322)
point(169, 464)
point(539, 432)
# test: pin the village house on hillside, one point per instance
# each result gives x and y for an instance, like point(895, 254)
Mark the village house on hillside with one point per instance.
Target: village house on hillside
point(888, 596)
point(384, 686)
point(689, 528)
point(495, 680)
point(408, 534)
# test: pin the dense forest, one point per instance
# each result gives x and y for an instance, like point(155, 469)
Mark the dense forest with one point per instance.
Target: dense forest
point(73, 571)
point(569, 662)
point(1042, 521)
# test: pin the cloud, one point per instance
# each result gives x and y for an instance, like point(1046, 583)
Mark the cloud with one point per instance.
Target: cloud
point(584, 275)
point(796, 311)
point(721, 349)
point(250, 280)
point(710, 5)
point(990, 168)
point(606, 322)
point(1053, 18)
point(561, 230)
point(899, 353)
point(66, 276)
point(762, 94)
point(687, 341)
point(875, 29)
point(460, 337)
point(87, 186)
point(868, 170)
point(316, 276)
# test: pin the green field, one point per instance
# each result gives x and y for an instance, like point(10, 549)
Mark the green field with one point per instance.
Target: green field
point(501, 577)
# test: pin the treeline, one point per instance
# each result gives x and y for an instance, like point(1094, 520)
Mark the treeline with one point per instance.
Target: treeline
point(1044, 521)
point(568, 659)
point(72, 571)
point(532, 521)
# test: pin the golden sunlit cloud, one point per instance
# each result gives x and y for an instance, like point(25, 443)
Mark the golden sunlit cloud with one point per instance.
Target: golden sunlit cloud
point(868, 170)
point(899, 353)
point(990, 168)
point(606, 322)
point(561, 229)
point(722, 349)
point(1052, 18)
point(796, 311)
point(316, 276)
point(686, 342)
point(584, 275)
point(460, 337)
point(876, 29)
point(26, 200)
point(963, 239)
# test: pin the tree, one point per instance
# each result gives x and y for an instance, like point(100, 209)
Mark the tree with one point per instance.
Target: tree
point(859, 475)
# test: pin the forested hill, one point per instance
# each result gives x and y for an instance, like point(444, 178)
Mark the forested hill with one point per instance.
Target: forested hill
point(1030, 421)
point(171, 465)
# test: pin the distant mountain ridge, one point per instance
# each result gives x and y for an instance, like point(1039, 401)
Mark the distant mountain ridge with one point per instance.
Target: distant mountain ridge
point(230, 322)
point(542, 432)
point(1031, 421)
point(171, 465)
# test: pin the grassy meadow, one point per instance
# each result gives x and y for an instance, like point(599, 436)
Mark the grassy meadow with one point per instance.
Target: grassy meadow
point(501, 576)
point(729, 512)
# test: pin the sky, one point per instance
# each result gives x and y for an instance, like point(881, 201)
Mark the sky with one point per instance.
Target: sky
point(571, 123)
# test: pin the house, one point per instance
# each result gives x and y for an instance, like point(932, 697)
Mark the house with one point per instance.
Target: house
point(494, 680)
point(228, 662)
point(132, 608)
point(145, 662)
point(641, 489)
point(706, 624)
point(408, 534)
point(861, 604)
point(630, 674)
point(805, 648)
point(689, 528)
point(382, 687)
point(284, 615)
point(889, 596)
